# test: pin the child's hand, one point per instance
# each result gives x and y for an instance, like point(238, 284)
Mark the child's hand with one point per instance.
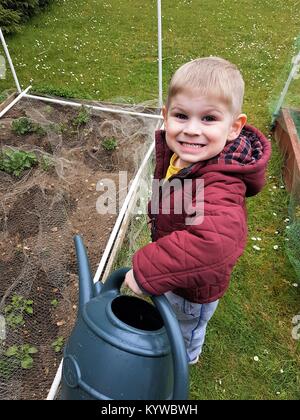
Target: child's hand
point(131, 283)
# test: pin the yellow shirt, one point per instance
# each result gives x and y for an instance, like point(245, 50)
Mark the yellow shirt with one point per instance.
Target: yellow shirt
point(172, 169)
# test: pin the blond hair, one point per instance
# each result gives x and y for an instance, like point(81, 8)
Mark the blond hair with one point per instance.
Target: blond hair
point(212, 76)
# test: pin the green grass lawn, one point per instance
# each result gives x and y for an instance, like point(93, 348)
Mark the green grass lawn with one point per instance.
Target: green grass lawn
point(107, 50)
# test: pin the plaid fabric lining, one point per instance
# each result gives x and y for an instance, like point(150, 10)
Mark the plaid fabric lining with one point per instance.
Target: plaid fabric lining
point(244, 150)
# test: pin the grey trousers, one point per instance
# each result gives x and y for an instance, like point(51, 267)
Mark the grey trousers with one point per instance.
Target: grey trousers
point(193, 319)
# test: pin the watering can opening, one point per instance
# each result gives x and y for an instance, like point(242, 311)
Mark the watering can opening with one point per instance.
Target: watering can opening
point(137, 313)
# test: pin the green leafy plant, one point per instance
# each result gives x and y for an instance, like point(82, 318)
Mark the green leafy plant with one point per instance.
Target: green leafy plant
point(58, 344)
point(82, 118)
point(14, 311)
point(16, 161)
point(24, 126)
point(109, 144)
point(54, 303)
point(22, 355)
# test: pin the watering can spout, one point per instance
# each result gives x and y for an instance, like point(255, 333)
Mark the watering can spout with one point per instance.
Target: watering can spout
point(86, 286)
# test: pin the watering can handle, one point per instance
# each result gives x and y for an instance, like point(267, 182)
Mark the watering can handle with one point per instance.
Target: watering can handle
point(180, 367)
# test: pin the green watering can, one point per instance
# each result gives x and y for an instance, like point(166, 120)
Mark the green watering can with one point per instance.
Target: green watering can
point(122, 347)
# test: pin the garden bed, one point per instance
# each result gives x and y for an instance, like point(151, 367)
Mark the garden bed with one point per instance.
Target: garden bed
point(288, 140)
point(287, 135)
point(66, 153)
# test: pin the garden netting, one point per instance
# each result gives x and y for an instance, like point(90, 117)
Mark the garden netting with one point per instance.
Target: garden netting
point(55, 162)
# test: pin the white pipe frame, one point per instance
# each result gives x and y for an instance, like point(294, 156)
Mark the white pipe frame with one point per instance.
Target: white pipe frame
point(293, 72)
point(159, 40)
point(98, 108)
point(10, 62)
point(9, 106)
point(55, 384)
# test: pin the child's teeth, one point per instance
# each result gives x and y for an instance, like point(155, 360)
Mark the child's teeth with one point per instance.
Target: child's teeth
point(192, 145)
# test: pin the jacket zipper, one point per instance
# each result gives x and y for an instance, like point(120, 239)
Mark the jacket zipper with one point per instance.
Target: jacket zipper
point(181, 174)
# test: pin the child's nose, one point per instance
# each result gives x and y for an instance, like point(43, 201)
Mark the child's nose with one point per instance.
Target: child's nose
point(192, 128)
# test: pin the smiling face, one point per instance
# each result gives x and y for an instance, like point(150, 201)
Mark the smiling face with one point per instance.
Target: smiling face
point(198, 127)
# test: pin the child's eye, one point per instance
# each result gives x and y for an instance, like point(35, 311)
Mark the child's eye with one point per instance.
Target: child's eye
point(209, 118)
point(181, 116)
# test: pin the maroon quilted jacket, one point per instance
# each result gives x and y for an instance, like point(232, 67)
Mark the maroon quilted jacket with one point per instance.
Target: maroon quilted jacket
point(195, 261)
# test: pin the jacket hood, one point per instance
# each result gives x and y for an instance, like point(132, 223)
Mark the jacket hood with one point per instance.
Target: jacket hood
point(246, 157)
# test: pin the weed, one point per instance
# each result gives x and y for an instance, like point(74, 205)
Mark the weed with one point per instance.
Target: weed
point(54, 303)
point(16, 161)
point(58, 344)
point(14, 311)
point(82, 118)
point(23, 125)
point(109, 144)
point(22, 355)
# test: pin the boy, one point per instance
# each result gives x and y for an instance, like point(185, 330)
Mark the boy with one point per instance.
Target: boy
point(205, 137)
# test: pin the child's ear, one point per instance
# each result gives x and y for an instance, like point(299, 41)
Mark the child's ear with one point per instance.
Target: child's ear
point(237, 126)
point(165, 113)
